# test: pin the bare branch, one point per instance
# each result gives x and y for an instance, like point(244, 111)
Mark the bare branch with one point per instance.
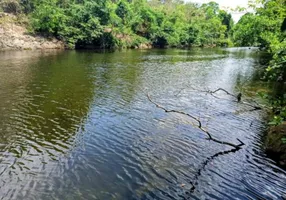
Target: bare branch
point(237, 98)
point(255, 107)
point(175, 111)
point(210, 137)
point(221, 89)
point(194, 182)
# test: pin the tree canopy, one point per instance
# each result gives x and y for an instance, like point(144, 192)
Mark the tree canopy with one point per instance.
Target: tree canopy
point(127, 23)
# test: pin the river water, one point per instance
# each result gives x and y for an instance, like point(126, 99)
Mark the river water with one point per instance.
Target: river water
point(78, 125)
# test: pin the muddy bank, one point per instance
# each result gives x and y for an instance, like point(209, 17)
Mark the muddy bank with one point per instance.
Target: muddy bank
point(275, 145)
point(14, 36)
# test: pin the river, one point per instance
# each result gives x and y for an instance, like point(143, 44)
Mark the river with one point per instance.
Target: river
point(78, 125)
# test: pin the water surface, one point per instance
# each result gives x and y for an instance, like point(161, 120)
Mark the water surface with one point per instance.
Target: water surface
point(78, 125)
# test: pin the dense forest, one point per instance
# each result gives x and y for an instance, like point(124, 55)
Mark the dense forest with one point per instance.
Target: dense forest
point(123, 23)
point(168, 23)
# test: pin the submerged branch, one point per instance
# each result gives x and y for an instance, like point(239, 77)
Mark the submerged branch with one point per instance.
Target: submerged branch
point(194, 183)
point(175, 111)
point(199, 125)
point(221, 89)
point(237, 97)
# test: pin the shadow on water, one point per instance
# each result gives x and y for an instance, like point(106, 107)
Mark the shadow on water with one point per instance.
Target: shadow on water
point(78, 125)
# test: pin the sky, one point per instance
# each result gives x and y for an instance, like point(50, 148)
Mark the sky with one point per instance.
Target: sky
point(226, 5)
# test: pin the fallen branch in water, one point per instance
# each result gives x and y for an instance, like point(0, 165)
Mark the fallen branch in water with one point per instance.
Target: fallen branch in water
point(221, 89)
point(210, 137)
point(237, 97)
point(194, 183)
point(175, 111)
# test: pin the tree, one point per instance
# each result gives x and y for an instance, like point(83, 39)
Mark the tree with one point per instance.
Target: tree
point(126, 23)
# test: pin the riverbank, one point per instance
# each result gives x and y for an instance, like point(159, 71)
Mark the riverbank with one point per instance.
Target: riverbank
point(15, 36)
point(275, 144)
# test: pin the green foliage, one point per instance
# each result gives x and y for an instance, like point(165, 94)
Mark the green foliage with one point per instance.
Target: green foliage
point(75, 25)
point(244, 32)
point(124, 23)
point(279, 110)
point(276, 121)
point(48, 18)
point(261, 28)
point(265, 28)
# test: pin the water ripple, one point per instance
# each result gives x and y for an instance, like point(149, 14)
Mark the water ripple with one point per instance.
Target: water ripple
point(78, 125)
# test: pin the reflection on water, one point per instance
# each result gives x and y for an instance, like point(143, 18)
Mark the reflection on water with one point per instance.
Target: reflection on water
point(45, 101)
point(78, 125)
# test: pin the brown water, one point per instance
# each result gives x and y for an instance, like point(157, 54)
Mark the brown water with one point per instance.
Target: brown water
point(78, 125)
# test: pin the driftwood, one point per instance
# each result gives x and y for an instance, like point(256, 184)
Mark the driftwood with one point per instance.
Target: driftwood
point(199, 125)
